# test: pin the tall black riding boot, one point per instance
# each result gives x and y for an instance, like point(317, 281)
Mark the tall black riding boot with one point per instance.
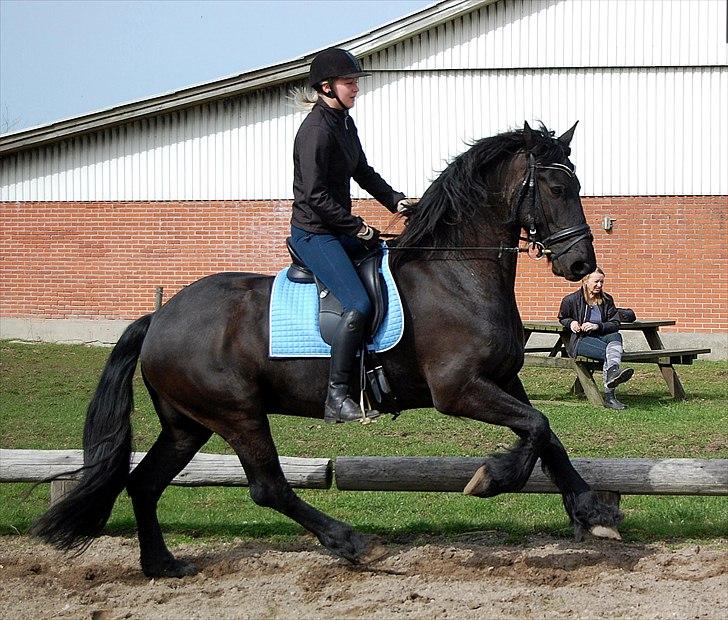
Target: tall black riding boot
point(344, 346)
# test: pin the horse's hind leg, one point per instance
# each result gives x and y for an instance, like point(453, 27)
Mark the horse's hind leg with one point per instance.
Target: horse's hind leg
point(178, 442)
point(251, 439)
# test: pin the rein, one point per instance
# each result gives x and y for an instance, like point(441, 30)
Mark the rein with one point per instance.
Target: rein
point(535, 248)
point(501, 249)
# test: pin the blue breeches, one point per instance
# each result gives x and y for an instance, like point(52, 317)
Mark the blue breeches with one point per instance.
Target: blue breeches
point(328, 256)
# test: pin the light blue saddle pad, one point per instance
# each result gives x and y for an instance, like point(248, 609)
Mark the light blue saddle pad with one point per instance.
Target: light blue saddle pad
point(294, 325)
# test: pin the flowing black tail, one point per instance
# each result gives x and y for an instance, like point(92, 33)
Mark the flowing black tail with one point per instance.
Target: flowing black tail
point(80, 516)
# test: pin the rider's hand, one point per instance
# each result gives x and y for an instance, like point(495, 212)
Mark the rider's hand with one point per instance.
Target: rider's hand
point(405, 205)
point(575, 327)
point(590, 327)
point(369, 236)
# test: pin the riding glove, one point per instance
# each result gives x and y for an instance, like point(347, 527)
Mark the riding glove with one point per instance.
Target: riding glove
point(369, 237)
point(405, 206)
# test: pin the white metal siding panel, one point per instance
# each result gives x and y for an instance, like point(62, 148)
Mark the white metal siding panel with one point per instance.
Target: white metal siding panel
point(644, 129)
point(569, 33)
point(229, 150)
point(641, 132)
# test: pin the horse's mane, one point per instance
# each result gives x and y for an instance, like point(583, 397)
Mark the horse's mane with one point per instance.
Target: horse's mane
point(445, 211)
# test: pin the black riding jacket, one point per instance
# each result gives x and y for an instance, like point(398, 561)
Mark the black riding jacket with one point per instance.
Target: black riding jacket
point(574, 308)
point(327, 154)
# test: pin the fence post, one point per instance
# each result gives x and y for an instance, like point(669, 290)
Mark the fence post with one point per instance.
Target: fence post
point(158, 295)
point(60, 488)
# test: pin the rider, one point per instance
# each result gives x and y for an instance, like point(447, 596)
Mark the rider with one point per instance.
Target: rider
point(327, 154)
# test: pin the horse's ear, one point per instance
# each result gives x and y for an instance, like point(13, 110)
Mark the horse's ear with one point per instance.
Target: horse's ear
point(527, 134)
point(565, 138)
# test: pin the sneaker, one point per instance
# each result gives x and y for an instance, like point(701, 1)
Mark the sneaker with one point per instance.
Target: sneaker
point(617, 376)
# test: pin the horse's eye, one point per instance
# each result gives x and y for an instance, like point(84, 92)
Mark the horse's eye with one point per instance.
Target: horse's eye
point(557, 190)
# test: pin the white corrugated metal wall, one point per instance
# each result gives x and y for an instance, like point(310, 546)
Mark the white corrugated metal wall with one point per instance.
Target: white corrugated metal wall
point(229, 149)
point(570, 33)
point(648, 81)
point(641, 131)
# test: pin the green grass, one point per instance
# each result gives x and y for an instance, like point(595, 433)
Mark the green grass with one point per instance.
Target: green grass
point(44, 390)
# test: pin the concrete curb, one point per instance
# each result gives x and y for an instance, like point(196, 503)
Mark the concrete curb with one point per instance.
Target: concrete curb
point(105, 332)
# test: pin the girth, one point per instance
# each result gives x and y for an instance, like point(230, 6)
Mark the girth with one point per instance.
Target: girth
point(330, 311)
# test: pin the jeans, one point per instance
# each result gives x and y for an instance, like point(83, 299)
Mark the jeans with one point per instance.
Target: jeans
point(328, 256)
point(595, 347)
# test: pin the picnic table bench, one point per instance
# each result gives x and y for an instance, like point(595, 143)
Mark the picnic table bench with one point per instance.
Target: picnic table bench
point(584, 368)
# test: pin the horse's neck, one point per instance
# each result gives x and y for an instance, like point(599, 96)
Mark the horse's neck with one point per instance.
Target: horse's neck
point(470, 274)
point(493, 266)
point(493, 229)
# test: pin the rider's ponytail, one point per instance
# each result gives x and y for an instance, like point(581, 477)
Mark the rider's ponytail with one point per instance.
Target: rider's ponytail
point(303, 98)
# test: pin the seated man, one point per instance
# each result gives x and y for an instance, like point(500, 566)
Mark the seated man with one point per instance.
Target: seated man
point(592, 321)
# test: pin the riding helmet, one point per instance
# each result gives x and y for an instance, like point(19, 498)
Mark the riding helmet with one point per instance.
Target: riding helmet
point(334, 63)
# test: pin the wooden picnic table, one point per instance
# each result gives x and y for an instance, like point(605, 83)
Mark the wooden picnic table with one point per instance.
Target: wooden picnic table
point(584, 368)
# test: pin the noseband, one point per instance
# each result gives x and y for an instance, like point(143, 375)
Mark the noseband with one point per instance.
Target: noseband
point(529, 193)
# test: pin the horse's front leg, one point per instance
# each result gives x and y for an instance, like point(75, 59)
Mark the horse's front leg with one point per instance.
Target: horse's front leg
point(586, 510)
point(483, 400)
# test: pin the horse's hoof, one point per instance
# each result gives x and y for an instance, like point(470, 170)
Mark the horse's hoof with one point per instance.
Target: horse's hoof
point(376, 552)
point(479, 484)
point(173, 568)
point(600, 531)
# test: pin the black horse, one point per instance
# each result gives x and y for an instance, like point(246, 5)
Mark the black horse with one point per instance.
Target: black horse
point(204, 357)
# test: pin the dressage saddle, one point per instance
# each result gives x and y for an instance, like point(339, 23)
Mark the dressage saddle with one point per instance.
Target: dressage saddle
point(330, 311)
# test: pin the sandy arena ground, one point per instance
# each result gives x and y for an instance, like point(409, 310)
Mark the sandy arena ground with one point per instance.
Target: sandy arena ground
point(475, 576)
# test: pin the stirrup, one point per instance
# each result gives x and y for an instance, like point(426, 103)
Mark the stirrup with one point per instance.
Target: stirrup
point(346, 411)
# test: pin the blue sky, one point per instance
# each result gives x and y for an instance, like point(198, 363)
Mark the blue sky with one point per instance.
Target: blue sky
point(60, 59)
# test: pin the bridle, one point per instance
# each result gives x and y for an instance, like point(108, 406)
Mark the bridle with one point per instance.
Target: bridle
point(528, 194)
point(536, 248)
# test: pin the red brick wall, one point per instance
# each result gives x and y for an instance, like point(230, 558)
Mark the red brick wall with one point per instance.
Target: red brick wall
point(665, 258)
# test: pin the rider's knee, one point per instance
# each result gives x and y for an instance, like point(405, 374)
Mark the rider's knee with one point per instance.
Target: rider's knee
point(362, 306)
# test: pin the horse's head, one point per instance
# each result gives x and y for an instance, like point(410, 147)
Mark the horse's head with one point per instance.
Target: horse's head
point(548, 206)
point(486, 195)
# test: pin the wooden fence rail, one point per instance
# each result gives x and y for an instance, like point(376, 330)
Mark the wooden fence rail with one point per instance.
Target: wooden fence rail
point(394, 473)
point(204, 469)
point(627, 476)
